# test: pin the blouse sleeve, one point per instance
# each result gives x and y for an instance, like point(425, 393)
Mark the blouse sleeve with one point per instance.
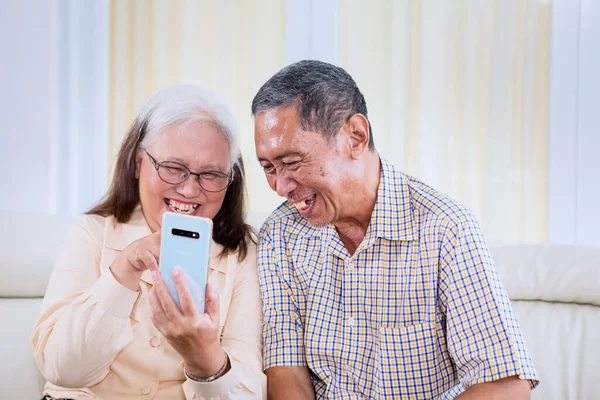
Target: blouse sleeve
point(84, 321)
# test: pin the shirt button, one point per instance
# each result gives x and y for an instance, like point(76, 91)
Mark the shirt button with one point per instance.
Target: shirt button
point(350, 321)
point(346, 368)
point(349, 266)
point(155, 341)
point(146, 390)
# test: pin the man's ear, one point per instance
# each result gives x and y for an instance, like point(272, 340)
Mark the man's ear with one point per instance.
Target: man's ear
point(358, 130)
point(138, 163)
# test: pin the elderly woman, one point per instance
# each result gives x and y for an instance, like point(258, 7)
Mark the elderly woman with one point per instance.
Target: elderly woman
point(109, 328)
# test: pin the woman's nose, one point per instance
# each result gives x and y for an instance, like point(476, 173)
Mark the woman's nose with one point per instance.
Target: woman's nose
point(190, 188)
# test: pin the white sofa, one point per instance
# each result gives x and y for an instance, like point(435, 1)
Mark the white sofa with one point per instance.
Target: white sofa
point(555, 292)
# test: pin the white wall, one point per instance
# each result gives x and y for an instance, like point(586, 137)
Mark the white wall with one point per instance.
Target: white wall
point(53, 71)
point(28, 102)
point(574, 136)
point(311, 30)
point(53, 106)
point(574, 167)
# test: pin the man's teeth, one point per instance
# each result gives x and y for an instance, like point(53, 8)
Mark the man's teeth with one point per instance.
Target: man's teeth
point(301, 205)
point(182, 208)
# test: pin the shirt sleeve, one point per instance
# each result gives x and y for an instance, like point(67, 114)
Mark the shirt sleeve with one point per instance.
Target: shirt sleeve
point(241, 338)
point(283, 331)
point(483, 335)
point(84, 320)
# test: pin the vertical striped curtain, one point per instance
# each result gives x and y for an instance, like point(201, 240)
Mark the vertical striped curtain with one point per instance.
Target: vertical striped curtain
point(457, 89)
point(458, 97)
point(231, 47)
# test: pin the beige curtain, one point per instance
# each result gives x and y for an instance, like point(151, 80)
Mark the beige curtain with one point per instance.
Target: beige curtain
point(458, 95)
point(231, 47)
point(457, 89)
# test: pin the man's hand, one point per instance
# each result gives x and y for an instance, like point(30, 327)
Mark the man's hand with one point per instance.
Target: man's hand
point(511, 388)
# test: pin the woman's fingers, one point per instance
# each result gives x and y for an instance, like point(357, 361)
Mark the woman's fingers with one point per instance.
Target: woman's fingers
point(146, 252)
point(164, 297)
point(154, 245)
point(186, 299)
point(211, 306)
point(157, 314)
point(147, 260)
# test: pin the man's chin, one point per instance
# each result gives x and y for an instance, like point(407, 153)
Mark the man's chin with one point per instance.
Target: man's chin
point(317, 222)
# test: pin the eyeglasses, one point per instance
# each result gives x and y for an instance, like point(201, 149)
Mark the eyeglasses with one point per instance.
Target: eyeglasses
point(175, 173)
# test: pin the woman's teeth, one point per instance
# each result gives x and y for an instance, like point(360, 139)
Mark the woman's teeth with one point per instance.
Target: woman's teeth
point(182, 208)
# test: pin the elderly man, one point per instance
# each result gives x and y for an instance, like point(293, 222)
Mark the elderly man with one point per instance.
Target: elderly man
point(374, 285)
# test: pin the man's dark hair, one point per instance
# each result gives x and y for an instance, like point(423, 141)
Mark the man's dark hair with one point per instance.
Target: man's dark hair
point(325, 96)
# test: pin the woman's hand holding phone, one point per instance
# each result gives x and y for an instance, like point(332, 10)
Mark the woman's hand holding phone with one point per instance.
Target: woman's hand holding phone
point(139, 256)
point(192, 333)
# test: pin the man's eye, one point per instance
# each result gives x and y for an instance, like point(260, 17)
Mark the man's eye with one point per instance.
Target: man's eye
point(292, 166)
point(268, 169)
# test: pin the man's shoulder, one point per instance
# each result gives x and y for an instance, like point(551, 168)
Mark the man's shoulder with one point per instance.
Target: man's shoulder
point(436, 207)
point(285, 221)
point(424, 200)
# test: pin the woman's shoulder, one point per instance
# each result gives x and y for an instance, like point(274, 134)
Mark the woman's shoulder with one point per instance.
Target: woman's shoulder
point(251, 255)
point(92, 221)
point(248, 264)
point(92, 224)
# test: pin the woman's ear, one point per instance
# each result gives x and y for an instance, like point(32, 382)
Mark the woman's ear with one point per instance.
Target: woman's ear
point(138, 163)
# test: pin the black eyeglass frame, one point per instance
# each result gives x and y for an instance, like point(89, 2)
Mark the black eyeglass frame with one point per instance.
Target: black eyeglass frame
point(198, 175)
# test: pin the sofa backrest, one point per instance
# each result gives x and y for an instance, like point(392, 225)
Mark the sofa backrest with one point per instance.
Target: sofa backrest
point(555, 292)
point(29, 244)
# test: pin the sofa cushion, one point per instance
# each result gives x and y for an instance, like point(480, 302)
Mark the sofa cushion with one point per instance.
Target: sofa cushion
point(30, 244)
point(554, 290)
point(19, 376)
point(560, 273)
point(562, 340)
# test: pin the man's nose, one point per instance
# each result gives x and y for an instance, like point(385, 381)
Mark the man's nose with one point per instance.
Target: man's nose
point(284, 185)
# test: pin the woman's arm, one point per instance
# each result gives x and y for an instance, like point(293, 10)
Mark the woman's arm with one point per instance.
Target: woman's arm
point(84, 321)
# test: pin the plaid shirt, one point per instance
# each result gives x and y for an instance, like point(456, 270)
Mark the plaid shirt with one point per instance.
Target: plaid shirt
point(417, 312)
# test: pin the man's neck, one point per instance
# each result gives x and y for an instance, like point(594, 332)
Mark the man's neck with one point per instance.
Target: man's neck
point(361, 203)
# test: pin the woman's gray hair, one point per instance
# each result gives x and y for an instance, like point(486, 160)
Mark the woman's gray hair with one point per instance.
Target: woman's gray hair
point(186, 104)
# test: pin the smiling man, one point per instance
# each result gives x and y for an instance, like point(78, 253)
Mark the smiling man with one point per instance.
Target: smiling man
point(374, 285)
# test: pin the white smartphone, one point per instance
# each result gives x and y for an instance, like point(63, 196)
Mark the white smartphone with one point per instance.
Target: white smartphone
point(185, 244)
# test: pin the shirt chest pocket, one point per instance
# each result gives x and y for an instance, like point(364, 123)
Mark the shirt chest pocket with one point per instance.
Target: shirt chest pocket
point(407, 361)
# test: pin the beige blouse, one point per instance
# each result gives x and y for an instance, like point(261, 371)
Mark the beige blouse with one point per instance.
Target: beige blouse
point(96, 335)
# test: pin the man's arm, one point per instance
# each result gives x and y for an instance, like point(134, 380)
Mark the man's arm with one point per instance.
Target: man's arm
point(285, 366)
point(289, 383)
point(482, 331)
point(511, 388)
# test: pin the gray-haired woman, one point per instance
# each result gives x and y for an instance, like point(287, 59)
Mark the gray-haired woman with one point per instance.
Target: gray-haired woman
point(109, 328)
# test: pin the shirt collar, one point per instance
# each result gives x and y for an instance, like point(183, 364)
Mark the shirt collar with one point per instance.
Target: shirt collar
point(392, 217)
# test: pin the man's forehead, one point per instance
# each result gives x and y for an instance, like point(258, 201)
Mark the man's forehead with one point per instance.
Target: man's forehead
point(274, 128)
point(278, 118)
